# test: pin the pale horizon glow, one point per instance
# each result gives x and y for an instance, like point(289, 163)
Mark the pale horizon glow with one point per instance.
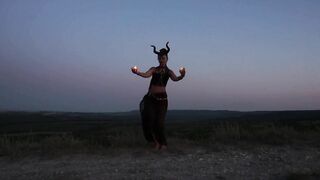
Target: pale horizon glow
point(248, 55)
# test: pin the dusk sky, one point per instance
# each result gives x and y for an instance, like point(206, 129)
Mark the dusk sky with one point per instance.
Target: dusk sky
point(75, 55)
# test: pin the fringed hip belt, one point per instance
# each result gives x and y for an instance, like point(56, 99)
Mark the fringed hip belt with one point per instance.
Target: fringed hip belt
point(158, 96)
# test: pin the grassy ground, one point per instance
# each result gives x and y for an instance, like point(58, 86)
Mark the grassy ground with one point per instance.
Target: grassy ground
point(97, 149)
point(112, 136)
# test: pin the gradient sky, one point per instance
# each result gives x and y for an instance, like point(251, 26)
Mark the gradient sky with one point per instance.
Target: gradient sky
point(75, 55)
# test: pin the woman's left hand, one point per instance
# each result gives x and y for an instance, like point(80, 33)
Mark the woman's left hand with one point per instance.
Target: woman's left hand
point(182, 71)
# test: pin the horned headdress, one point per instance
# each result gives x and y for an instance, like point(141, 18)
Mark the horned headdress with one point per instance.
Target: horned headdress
point(162, 51)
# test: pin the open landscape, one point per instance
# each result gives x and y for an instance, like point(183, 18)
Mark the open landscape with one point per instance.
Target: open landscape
point(235, 83)
point(201, 145)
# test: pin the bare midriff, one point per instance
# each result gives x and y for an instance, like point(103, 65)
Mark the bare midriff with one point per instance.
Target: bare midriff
point(157, 89)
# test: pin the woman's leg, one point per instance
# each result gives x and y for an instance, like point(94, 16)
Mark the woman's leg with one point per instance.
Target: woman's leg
point(147, 115)
point(152, 120)
point(161, 112)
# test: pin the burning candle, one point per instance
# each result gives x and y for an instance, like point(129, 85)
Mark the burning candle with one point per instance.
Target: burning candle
point(134, 69)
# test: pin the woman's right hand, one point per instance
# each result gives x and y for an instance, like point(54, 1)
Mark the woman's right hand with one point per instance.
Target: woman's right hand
point(134, 69)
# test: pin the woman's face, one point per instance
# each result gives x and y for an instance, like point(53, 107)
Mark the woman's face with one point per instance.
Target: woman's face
point(163, 60)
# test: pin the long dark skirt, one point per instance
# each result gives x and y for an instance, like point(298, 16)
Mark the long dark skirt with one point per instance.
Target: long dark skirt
point(153, 109)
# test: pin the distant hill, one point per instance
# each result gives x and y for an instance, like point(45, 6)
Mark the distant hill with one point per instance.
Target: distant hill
point(172, 116)
point(45, 121)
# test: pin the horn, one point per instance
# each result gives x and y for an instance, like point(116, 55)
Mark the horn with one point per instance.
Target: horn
point(154, 49)
point(168, 49)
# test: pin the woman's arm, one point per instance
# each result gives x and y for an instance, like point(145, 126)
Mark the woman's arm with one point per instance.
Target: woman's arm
point(142, 74)
point(173, 77)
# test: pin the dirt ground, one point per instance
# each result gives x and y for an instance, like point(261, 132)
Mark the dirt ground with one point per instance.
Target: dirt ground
point(177, 162)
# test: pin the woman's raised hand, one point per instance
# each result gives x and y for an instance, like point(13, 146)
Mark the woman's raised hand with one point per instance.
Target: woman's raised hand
point(182, 71)
point(134, 69)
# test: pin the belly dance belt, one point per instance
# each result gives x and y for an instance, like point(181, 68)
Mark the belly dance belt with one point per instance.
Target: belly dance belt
point(158, 96)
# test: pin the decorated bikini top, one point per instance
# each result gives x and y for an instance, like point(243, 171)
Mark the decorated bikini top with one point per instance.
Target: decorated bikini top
point(160, 76)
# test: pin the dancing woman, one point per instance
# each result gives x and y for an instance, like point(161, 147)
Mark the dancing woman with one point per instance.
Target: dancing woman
point(153, 107)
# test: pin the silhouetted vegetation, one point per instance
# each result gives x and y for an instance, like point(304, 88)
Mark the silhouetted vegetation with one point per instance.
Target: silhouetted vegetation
point(48, 133)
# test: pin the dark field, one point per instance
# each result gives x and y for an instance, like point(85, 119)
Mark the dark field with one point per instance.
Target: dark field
point(207, 143)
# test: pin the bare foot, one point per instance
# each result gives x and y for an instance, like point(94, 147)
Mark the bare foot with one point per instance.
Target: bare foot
point(164, 147)
point(151, 144)
point(157, 146)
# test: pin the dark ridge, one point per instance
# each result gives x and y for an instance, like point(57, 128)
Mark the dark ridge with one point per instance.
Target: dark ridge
point(172, 115)
point(17, 121)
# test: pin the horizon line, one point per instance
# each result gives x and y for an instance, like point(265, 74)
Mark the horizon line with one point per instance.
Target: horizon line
point(104, 112)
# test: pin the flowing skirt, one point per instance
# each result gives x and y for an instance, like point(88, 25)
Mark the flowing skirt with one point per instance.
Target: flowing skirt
point(153, 109)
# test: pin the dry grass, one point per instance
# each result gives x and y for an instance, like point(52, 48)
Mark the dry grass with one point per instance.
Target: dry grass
point(127, 136)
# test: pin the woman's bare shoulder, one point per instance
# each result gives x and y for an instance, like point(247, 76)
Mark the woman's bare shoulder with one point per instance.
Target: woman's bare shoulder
point(169, 70)
point(152, 69)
